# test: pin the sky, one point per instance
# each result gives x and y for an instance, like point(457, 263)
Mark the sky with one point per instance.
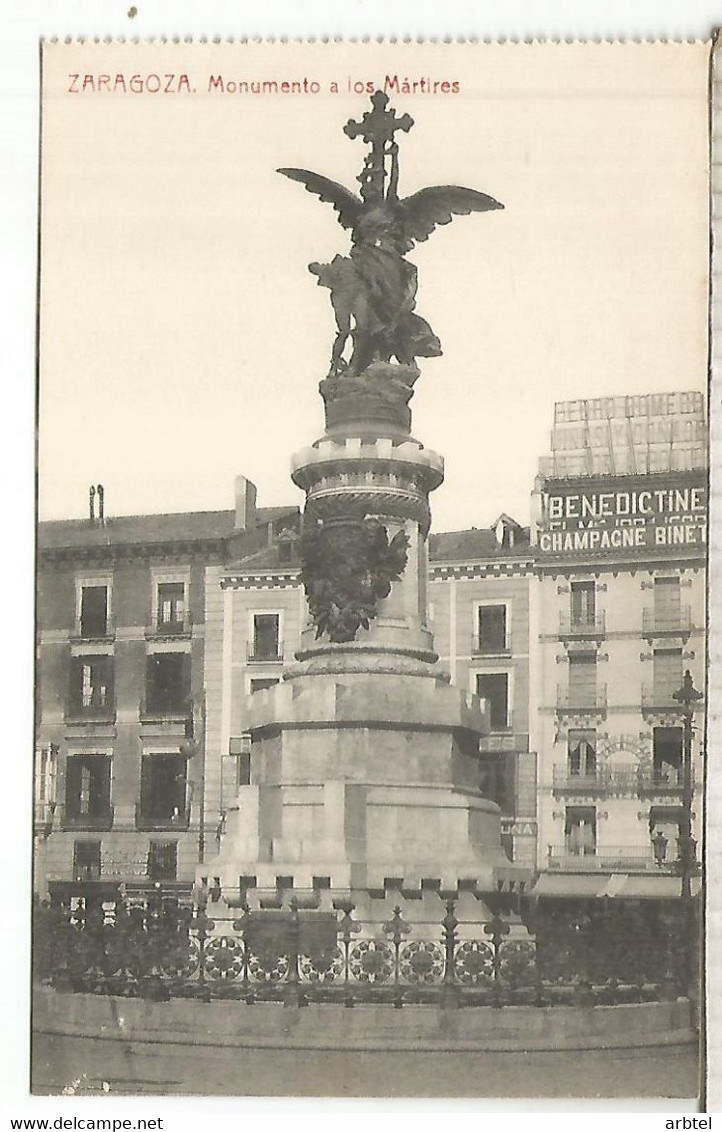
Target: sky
point(182, 338)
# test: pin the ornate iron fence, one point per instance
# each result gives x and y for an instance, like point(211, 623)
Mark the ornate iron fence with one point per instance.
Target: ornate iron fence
point(161, 949)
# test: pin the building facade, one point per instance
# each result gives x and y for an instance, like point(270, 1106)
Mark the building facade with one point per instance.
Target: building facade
point(617, 615)
point(120, 748)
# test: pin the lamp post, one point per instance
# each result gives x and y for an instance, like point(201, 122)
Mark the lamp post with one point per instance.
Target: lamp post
point(687, 696)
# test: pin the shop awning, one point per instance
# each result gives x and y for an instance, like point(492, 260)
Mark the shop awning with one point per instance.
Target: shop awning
point(617, 886)
point(651, 887)
point(553, 884)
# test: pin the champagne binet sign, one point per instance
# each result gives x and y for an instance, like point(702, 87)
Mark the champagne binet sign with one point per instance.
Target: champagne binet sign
point(619, 519)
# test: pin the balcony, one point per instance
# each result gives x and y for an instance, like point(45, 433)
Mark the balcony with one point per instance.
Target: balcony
point(612, 859)
point(580, 701)
point(257, 653)
point(180, 628)
point(604, 782)
point(148, 822)
point(582, 627)
point(659, 783)
point(165, 711)
point(671, 623)
point(99, 820)
point(88, 630)
point(43, 815)
point(661, 701)
point(481, 647)
point(90, 712)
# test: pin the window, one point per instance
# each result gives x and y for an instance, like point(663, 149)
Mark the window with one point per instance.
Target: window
point(667, 608)
point(582, 680)
point(266, 637)
point(583, 603)
point(667, 674)
point(667, 755)
point(168, 682)
point(580, 831)
point(163, 789)
point(263, 682)
point(91, 684)
point(243, 772)
point(171, 606)
point(498, 781)
point(494, 688)
point(163, 860)
point(87, 788)
point(492, 628)
point(94, 611)
point(86, 860)
point(581, 753)
point(46, 760)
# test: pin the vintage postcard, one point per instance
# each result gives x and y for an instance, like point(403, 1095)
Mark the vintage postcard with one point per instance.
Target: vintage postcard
point(372, 570)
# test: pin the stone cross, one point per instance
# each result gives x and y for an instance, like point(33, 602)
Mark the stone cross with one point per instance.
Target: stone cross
point(377, 128)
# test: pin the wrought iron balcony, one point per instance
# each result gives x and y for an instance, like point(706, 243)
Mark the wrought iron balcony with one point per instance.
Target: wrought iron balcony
point(262, 654)
point(148, 821)
point(181, 627)
point(580, 701)
point(660, 700)
point(99, 819)
point(660, 782)
point(625, 858)
point(582, 626)
point(93, 711)
point(604, 781)
point(671, 623)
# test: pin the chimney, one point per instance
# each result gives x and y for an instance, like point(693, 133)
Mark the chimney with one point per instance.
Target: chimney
point(245, 504)
point(91, 499)
point(101, 504)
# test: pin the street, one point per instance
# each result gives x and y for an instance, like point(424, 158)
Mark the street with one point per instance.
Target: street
point(156, 1069)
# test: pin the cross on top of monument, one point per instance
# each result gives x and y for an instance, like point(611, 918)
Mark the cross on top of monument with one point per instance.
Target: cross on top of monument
point(377, 128)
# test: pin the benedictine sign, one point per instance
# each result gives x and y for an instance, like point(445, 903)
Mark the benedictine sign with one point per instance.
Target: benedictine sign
point(587, 520)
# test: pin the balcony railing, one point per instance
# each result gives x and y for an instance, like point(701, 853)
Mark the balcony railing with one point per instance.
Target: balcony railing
point(625, 858)
point(101, 819)
point(85, 631)
point(617, 780)
point(146, 821)
point(93, 712)
point(660, 701)
point(481, 647)
point(672, 623)
point(661, 782)
point(43, 815)
point(604, 780)
point(579, 701)
point(582, 626)
point(263, 654)
point(179, 627)
point(153, 711)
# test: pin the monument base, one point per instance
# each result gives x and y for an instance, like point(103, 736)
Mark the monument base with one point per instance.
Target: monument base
point(364, 792)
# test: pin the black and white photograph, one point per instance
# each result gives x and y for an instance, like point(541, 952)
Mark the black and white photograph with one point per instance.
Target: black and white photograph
point(371, 617)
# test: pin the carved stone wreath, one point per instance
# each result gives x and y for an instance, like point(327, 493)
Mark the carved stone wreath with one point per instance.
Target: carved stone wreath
point(348, 567)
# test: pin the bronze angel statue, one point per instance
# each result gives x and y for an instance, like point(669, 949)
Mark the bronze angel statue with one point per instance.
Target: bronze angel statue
point(373, 288)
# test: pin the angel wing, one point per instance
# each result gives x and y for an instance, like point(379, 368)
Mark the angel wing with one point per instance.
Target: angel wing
point(344, 202)
point(421, 212)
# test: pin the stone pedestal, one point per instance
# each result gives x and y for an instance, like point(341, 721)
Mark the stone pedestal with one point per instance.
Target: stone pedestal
point(364, 764)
